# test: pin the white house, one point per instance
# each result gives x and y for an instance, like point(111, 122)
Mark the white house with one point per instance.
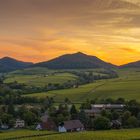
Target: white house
point(62, 129)
point(38, 127)
point(19, 123)
point(4, 126)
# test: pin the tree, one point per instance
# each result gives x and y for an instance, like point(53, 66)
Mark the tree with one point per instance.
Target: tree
point(125, 116)
point(120, 101)
point(134, 107)
point(73, 112)
point(11, 109)
point(138, 117)
point(115, 115)
point(102, 123)
point(30, 118)
point(67, 101)
point(106, 113)
point(5, 118)
point(132, 122)
point(83, 118)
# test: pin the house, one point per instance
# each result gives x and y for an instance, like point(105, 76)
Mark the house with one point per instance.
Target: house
point(4, 126)
point(116, 124)
point(91, 113)
point(38, 127)
point(44, 118)
point(46, 124)
point(107, 106)
point(97, 108)
point(70, 126)
point(19, 123)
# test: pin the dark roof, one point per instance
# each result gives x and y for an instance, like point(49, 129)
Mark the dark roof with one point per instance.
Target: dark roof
point(115, 106)
point(92, 111)
point(73, 124)
point(49, 125)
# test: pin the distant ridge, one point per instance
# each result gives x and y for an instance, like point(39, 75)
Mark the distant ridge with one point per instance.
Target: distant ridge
point(131, 65)
point(75, 61)
point(8, 64)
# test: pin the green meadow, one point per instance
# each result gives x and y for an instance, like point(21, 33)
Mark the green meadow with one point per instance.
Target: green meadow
point(98, 135)
point(39, 77)
point(126, 86)
point(19, 133)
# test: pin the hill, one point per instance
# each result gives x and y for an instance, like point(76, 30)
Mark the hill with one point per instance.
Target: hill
point(75, 61)
point(8, 64)
point(126, 86)
point(131, 65)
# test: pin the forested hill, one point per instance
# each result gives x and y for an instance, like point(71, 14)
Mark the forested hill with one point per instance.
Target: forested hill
point(75, 61)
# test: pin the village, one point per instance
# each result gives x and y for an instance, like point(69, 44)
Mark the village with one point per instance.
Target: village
point(67, 118)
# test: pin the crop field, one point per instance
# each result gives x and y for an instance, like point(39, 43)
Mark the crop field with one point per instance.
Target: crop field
point(131, 134)
point(74, 94)
point(126, 86)
point(40, 79)
point(20, 133)
point(98, 135)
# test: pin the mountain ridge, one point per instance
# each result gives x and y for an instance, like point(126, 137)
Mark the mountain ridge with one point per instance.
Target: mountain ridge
point(8, 64)
point(75, 61)
point(135, 64)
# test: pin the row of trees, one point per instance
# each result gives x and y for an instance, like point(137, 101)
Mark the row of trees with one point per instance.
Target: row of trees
point(85, 77)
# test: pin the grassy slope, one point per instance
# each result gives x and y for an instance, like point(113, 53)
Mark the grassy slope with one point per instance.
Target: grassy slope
point(39, 79)
point(126, 86)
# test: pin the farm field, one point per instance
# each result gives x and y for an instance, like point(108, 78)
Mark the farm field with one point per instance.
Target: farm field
point(131, 134)
point(40, 79)
point(17, 133)
point(98, 135)
point(126, 86)
point(42, 76)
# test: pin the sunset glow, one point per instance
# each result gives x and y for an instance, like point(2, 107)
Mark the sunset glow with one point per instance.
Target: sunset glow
point(39, 30)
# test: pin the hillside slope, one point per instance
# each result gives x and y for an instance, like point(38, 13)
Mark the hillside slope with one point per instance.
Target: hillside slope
point(8, 64)
point(131, 65)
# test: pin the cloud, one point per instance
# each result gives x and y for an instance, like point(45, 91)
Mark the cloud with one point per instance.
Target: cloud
point(48, 28)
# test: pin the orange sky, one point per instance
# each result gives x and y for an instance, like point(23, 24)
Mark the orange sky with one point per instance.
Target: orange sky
point(39, 30)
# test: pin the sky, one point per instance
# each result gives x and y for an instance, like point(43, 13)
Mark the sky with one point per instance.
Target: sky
point(39, 30)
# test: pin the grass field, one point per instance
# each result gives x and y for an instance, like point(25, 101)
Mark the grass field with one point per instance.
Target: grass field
point(40, 79)
point(126, 86)
point(17, 133)
point(100, 135)
point(131, 134)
